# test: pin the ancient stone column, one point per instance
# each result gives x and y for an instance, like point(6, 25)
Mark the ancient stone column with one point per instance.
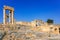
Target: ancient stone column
point(4, 16)
point(11, 17)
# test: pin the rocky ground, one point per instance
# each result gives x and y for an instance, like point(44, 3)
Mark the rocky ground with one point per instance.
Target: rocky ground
point(24, 33)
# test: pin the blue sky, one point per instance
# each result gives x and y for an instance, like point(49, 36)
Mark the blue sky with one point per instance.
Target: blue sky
point(28, 10)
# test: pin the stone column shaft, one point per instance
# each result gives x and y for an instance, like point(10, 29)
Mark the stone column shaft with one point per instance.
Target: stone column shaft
point(4, 16)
